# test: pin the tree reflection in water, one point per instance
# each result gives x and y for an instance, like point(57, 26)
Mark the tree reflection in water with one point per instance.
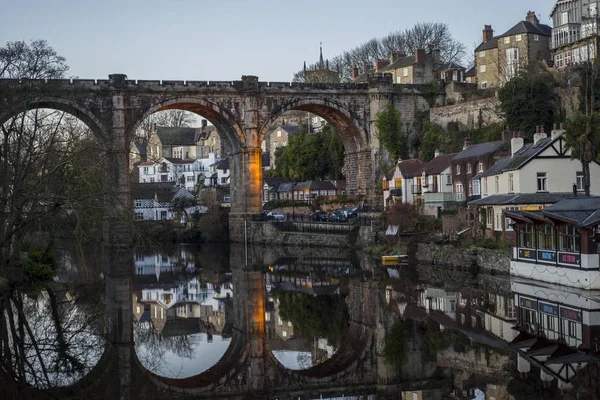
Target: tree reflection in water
point(50, 337)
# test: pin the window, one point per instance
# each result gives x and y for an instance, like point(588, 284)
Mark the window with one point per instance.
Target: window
point(448, 179)
point(512, 62)
point(190, 179)
point(145, 170)
point(458, 170)
point(139, 216)
point(482, 54)
point(497, 185)
point(480, 166)
point(485, 187)
point(519, 38)
point(579, 180)
point(279, 133)
point(497, 226)
point(152, 179)
point(564, 18)
point(459, 192)
point(469, 169)
point(484, 85)
point(569, 239)
point(223, 180)
point(138, 203)
point(163, 215)
point(546, 237)
point(536, 38)
point(490, 217)
point(526, 236)
point(542, 182)
point(507, 40)
point(476, 188)
point(405, 72)
point(284, 333)
point(482, 68)
point(511, 183)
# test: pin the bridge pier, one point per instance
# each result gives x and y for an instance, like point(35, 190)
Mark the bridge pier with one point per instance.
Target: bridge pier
point(246, 189)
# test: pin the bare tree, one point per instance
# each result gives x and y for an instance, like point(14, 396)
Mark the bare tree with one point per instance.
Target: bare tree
point(421, 36)
point(172, 118)
point(36, 60)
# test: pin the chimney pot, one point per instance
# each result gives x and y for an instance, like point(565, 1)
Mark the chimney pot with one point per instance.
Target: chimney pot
point(381, 64)
point(468, 141)
point(537, 129)
point(488, 33)
point(419, 56)
point(365, 67)
point(532, 18)
point(542, 129)
point(354, 72)
point(516, 144)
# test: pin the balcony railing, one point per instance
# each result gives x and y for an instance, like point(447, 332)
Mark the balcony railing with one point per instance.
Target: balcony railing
point(447, 197)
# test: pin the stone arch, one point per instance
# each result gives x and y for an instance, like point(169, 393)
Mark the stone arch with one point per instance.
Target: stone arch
point(228, 367)
point(356, 342)
point(345, 122)
point(84, 114)
point(224, 121)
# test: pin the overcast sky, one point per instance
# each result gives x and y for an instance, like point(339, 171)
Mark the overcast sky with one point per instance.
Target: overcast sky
point(225, 39)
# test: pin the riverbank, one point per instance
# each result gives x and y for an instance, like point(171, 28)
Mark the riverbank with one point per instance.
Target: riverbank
point(490, 260)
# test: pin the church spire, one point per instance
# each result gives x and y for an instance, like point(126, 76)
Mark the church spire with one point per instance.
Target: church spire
point(321, 63)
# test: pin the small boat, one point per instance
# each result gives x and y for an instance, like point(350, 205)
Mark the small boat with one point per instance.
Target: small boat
point(394, 259)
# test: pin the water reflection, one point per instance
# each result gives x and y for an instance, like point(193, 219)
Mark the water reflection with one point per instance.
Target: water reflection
point(181, 311)
point(306, 315)
point(53, 333)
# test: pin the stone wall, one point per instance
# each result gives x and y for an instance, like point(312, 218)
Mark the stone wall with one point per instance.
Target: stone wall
point(486, 259)
point(466, 115)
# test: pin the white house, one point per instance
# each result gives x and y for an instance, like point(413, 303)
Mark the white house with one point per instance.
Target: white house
point(402, 182)
point(436, 183)
point(533, 177)
point(187, 173)
point(161, 201)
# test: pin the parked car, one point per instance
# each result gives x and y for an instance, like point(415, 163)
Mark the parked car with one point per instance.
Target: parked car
point(319, 216)
point(276, 216)
point(351, 212)
point(264, 215)
point(337, 216)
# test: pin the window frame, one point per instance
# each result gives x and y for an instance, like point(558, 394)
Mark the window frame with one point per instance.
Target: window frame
point(542, 181)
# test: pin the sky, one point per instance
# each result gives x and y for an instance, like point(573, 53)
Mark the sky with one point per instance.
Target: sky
point(225, 39)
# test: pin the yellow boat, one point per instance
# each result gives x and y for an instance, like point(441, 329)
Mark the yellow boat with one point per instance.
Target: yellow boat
point(394, 259)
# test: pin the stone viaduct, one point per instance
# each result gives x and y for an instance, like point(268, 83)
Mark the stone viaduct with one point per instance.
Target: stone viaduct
point(242, 112)
point(248, 369)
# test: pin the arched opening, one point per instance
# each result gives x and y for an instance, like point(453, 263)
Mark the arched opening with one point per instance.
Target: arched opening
point(307, 317)
point(182, 312)
point(297, 126)
point(187, 143)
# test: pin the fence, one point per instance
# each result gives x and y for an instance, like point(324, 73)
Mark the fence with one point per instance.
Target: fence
point(314, 227)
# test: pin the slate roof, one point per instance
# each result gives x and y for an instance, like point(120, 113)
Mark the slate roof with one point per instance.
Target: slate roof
point(498, 167)
point(579, 211)
point(171, 136)
point(411, 168)
point(520, 198)
point(141, 148)
point(439, 164)
point(181, 327)
point(450, 66)
point(315, 185)
point(490, 44)
point(274, 182)
point(163, 190)
point(223, 164)
point(471, 72)
point(179, 160)
point(363, 77)
point(528, 27)
point(399, 63)
point(290, 129)
point(481, 149)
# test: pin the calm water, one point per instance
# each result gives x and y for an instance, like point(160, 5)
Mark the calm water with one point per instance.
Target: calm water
point(442, 333)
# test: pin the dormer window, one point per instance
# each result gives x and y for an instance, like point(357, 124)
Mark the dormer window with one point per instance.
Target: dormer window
point(458, 170)
point(480, 167)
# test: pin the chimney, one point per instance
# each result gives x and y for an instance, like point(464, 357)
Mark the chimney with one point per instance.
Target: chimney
point(381, 64)
point(396, 55)
point(531, 17)
point(437, 153)
point(354, 72)
point(204, 123)
point(539, 135)
point(467, 143)
point(557, 131)
point(516, 143)
point(506, 136)
point(419, 56)
point(366, 67)
point(488, 33)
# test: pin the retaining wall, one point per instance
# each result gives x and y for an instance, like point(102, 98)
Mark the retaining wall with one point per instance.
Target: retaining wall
point(486, 259)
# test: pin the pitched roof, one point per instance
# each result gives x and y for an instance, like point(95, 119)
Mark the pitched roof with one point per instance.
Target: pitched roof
point(172, 136)
point(481, 149)
point(438, 164)
point(141, 148)
point(528, 27)
point(490, 44)
point(400, 63)
point(520, 198)
point(410, 168)
point(363, 77)
point(521, 157)
point(315, 185)
point(164, 191)
point(274, 182)
point(174, 160)
point(223, 164)
point(579, 211)
point(290, 129)
point(450, 66)
point(471, 72)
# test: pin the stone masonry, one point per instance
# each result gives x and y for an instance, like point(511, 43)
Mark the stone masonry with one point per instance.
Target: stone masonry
point(242, 112)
